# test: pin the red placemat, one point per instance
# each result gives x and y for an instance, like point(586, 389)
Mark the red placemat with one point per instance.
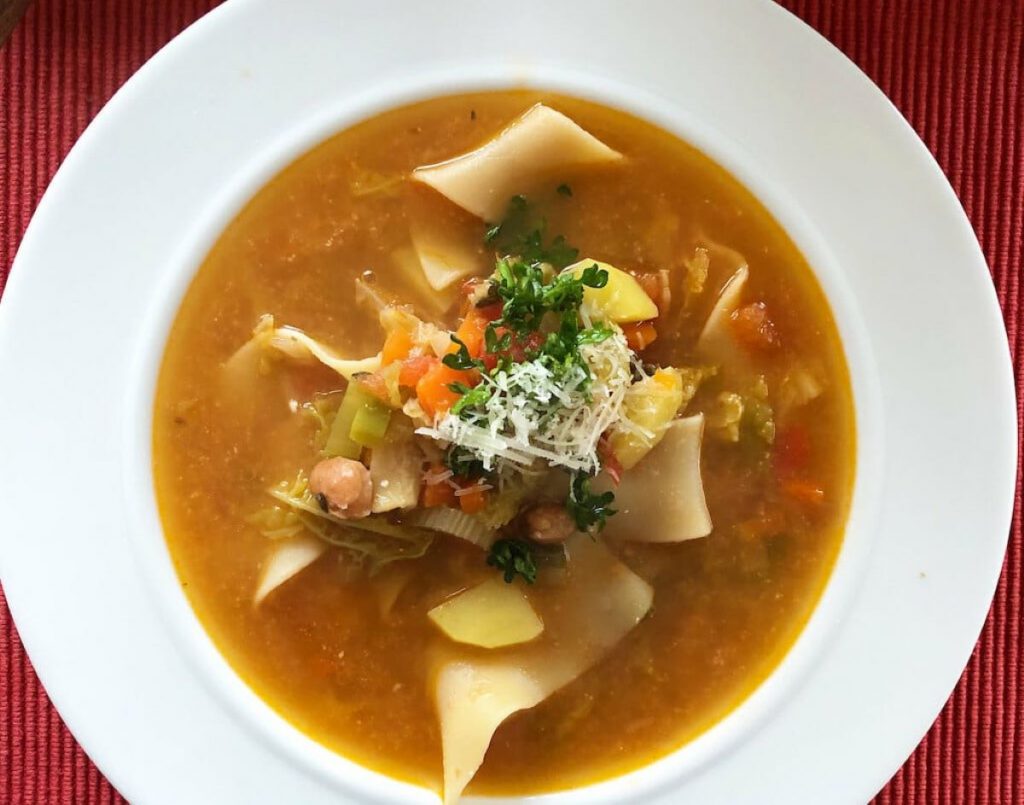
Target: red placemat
point(954, 69)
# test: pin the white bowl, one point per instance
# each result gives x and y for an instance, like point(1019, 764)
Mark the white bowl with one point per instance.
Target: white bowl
point(187, 142)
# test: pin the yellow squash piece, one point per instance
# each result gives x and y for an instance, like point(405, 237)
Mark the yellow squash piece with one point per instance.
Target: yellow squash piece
point(491, 615)
point(622, 300)
point(650, 405)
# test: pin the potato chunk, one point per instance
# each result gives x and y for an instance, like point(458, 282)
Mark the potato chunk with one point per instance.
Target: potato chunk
point(621, 300)
point(491, 615)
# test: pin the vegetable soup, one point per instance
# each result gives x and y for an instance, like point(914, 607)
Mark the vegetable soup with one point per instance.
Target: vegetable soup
point(503, 443)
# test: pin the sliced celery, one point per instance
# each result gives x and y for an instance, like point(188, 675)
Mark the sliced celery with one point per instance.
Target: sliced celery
point(339, 442)
point(370, 423)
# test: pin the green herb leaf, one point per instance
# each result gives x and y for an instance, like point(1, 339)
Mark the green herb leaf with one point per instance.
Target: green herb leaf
point(513, 557)
point(564, 190)
point(462, 359)
point(524, 234)
point(590, 511)
point(463, 463)
point(594, 277)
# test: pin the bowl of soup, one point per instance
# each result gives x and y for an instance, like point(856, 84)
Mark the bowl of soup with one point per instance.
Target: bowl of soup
point(514, 414)
point(587, 413)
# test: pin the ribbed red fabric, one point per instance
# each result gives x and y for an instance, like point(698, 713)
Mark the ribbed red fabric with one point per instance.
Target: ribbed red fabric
point(955, 70)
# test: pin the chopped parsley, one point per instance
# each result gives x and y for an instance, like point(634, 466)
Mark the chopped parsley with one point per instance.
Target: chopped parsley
point(513, 557)
point(564, 190)
point(460, 359)
point(523, 233)
point(590, 511)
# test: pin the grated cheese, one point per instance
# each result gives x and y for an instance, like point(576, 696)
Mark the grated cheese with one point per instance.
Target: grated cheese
point(531, 415)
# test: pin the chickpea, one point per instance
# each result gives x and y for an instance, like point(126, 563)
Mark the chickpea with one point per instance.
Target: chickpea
point(550, 522)
point(344, 485)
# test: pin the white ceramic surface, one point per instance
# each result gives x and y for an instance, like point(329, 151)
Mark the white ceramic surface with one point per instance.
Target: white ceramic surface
point(194, 134)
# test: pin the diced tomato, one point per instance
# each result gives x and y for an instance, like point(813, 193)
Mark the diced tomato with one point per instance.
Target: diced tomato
point(414, 368)
point(754, 329)
point(490, 312)
point(640, 335)
point(472, 499)
point(374, 384)
point(792, 451)
point(517, 350)
point(803, 491)
point(396, 347)
point(439, 494)
point(433, 389)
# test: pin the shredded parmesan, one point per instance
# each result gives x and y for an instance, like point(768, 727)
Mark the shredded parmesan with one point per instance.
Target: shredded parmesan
point(531, 415)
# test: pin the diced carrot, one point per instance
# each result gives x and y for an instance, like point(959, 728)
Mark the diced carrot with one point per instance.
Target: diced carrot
point(473, 499)
point(414, 368)
point(640, 335)
point(792, 451)
point(440, 494)
point(471, 333)
point(433, 392)
point(396, 347)
point(372, 383)
point(803, 491)
point(753, 328)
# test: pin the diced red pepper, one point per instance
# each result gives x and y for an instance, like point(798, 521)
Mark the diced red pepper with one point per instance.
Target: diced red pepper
point(792, 453)
point(754, 329)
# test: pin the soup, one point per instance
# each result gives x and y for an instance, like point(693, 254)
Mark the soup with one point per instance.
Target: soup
point(503, 440)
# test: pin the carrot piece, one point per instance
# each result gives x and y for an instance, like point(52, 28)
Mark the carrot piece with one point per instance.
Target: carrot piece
point(639, 336)
point(803, 491)
point(433, 392)
point(473, 499)
point(397, 346)
point(753, 328)
point(471, 333)
point(414, 368)
point(440, 494)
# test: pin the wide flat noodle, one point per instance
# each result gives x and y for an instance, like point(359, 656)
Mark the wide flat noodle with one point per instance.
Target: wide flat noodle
point(444, 259)
point(245, 363)
point(662, 498)
point(532, 148)
point(600, 602)
point(716, 343)
point(287, 558)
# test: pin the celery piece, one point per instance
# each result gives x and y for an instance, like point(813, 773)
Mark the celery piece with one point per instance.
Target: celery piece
point(370, 423)
point(339, 442)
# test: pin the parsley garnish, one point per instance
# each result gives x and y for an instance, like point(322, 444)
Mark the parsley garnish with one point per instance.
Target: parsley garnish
point(463, 463)
point(514, 557)
point(461, 359)
point(564, 190)
point(589, 510)
point(522, 233)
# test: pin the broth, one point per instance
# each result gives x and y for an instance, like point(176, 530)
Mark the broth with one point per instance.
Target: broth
point(330, 651)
